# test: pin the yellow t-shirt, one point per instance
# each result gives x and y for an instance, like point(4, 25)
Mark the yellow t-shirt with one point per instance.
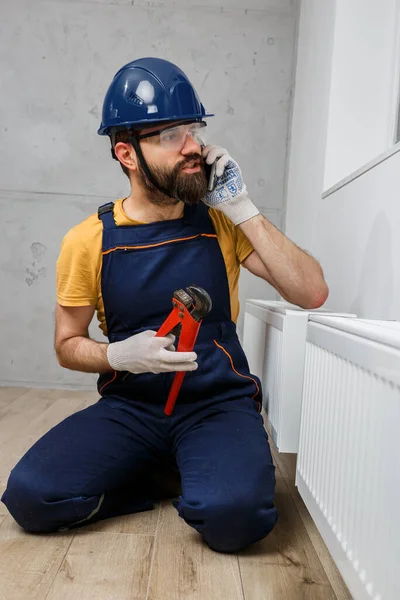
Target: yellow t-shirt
point(80, 260)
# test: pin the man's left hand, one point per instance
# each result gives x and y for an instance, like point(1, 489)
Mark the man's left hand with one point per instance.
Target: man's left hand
point(230, 193)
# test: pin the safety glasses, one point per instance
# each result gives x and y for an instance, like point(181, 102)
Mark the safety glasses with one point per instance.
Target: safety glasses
point(174, 137)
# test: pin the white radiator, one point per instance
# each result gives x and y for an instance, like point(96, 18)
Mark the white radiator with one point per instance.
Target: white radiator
point(348, 466)
point(274, 340)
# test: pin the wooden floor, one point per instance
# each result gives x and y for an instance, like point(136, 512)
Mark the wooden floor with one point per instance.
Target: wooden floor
point(153, 555)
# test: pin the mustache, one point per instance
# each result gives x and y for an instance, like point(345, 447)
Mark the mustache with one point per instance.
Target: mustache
point(188, 160)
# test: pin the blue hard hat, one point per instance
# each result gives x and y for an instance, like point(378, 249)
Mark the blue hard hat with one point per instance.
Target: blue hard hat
point(149, 90)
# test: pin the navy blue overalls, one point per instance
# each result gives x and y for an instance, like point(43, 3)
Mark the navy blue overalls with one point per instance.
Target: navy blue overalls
point(87, 467)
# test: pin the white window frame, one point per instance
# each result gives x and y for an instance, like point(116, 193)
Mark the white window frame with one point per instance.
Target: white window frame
point(394, 108)
point(393, 112)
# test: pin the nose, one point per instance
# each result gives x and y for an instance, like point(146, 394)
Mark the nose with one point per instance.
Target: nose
point(191, 146)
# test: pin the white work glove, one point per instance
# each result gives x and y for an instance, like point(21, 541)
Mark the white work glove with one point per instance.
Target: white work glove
point(146, 353)
point(230, 193)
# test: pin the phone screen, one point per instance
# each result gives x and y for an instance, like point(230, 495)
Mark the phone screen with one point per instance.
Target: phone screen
point(211, 176)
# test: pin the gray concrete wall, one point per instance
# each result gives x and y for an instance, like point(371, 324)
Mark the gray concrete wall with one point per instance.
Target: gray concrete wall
point(57, 59)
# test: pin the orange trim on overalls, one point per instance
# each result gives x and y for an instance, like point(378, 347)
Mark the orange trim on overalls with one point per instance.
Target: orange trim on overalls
point(240, 374)
point(210, 235)
point(108, 382)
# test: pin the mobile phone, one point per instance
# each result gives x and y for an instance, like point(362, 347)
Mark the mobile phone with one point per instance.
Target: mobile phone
point(211, 176)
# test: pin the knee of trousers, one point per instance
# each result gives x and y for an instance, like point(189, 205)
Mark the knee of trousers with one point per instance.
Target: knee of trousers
point(230, 525)
point(39, 508)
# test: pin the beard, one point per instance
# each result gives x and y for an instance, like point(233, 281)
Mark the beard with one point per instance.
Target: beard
point(189, 188)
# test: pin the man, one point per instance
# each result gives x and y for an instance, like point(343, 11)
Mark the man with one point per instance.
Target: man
point(126, 261)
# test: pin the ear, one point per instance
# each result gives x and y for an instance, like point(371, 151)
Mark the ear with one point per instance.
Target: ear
point(126, 155)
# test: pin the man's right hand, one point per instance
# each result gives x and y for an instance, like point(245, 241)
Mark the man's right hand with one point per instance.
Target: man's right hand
point(146, 353)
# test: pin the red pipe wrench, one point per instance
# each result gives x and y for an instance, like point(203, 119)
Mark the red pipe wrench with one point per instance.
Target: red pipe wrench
point(189, 309)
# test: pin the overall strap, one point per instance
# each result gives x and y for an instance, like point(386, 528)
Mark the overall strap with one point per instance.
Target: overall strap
point(197, 214)
point(105, 212)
